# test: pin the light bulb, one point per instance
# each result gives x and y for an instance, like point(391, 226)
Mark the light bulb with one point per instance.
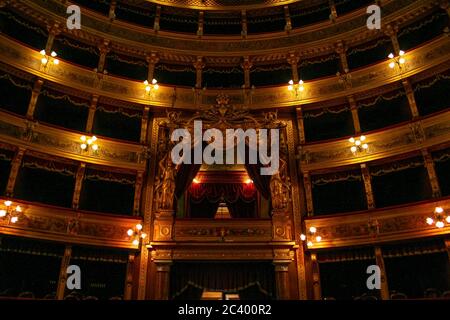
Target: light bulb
point(438, 210)
point(430, 221)
point(53, 54)
point(89, 142)
point(302, 89)
point(362, 138)
point(302, 237)
point(154, 81)
point(2, 213)
point(313, 229)
point(358, 142)
point(147, 88)
point(94, 138)
point(95, 147)
point(195, 180)
point(18, 209)
point(130, 232)
point(139, 226)
point(146, 82)
point(291, 82)
point(156, 87)
point(447, 219)
point(14, 219)
point(42, 52)
point(439, 224)
point(401, 53)
point(8, 203)
point(391, 56)
point(301, 82)
point(353, 149)
point(83, 146)
point(290, 88)
point(56, 62)
point(83, 138)
point(365, 146)
point(135, 242)
point(310, 244)
point(143, 235)
point(44, 60)
point(392, 65)
point(402, 60)
point(352, 140)
point(318, 238)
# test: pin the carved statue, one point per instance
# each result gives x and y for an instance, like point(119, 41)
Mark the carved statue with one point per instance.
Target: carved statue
point(280, 188)
point(165, 188)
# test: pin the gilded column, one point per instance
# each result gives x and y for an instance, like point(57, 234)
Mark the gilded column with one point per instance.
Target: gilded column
point(104, 49)
point(162, 280)
point(391, 32)
point(287, 16)
point(128, 292)
point(293, 60)
point(144, 124)
point(368, 186)
point(152, 59)
point(53, 31)
point(138, 193)
point(91, 115)
point(246, 66)
point(15, 166)
point(156, 26)
point(411, 99)
point(199, 65)
point(34, 97)
point(333, 10)
point(384, 283)
point(308, 194)
point(317, 290)
point(300, 125)
point(282, 280)
point(355, 115)
point(201, 20)
point(244, 31)
point(341, 49)
point(62, 280)
point(434, 182)
point(78, 185)
point(112, 10)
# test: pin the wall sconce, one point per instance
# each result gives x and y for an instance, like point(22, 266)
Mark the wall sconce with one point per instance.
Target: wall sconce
point(9, 211)
point(88, 143)
point(399, 60)
point(151, 87)
point(136, 234)
point(297, 88)
point(439, 218)
point(48, 59)
point(311, 237)
point(358, 145)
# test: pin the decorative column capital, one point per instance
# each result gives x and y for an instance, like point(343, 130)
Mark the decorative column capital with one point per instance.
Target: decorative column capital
point(104, 47)
point(54, 28)
point(340, 47)
point(390, 30)
point(293, 58)
point(199, 63)
point(246, 63)
point(152, 58)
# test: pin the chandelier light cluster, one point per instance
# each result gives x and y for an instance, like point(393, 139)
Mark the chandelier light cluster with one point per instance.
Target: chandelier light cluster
point(136, 234)
point(311, 237)
point(10, 211)
point(296, 87)
point(358, 145)
point(88, 143)
point(150, 87)
point(439, 219)
point(397, 60)
point(49, 58)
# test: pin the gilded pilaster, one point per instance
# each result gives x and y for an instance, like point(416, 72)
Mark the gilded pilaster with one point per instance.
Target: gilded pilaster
point(368, 186)
point(91, 114)
point(78, 185)
point(355, 115)
point(199, 65)
point(53, 30)
point(112, 10)
point(434, 182)
point(156, 26)
point(287, 16)
point(152, 59)
point(282, 280)
point(62, 280)
point(144, 124)
point(391, 31)
point(293, 60)
point(103, 49)
point(384, 281)
point(300, 125)
point(128, 292)
point(244, 31)
point(34, 97)
point(317, 290)
point(201, 20)
point(137, 193)
point(308, 194)
point(411, 99)
point(15, 166)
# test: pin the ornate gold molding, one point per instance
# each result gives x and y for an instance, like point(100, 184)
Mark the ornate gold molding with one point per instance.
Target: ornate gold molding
point(70, 226)
point(59, 142)
point(433, 54)
point(414, 136)
point(398, 223)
